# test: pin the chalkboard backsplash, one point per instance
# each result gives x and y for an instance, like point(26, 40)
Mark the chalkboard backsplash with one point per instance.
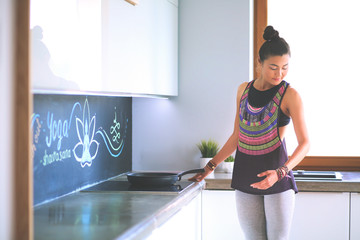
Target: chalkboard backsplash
point(79, 141)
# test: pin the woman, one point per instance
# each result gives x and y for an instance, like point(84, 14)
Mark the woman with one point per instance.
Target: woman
point(262, 177)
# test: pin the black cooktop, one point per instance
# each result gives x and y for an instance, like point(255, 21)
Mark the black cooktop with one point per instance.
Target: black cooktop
point(107, 186)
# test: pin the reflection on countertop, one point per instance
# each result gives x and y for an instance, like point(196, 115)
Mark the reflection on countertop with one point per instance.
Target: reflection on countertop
point(108, 215)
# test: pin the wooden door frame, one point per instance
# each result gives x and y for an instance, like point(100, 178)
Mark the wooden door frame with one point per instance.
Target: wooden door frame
point(22, 223)
point(260, 23)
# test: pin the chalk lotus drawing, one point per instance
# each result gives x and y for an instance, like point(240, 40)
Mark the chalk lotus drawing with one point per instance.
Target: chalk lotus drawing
point(86, 149)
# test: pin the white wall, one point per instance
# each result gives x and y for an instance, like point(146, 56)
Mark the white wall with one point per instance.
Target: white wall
point(6, 118)
point(214, 58)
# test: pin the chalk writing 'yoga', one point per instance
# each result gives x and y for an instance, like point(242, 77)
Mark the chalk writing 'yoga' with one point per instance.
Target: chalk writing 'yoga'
point(58, 129)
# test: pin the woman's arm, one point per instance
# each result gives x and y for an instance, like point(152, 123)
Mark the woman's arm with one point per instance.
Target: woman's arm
point(296, 111)
point(230, 145)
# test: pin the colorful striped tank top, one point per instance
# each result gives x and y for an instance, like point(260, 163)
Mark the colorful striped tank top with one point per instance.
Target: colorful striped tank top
point(259, 145)
point(258, 126)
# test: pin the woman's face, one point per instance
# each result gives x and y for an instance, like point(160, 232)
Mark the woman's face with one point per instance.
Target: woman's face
point(274, 69)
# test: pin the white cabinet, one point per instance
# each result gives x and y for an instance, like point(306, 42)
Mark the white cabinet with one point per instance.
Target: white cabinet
point(140, 47)
point(184, 225)
point(320, 215)
point(107, 46)
point(65, 45)
point(219, 216)
point(317, 215)
point(213, 216)
point(355, 216)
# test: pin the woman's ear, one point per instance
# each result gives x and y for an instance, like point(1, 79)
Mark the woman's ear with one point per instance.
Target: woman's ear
point(258, 60)
point(258, 68)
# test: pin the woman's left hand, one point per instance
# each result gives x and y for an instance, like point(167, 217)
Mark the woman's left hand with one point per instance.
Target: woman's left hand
point(271, 178)
point(200, 176)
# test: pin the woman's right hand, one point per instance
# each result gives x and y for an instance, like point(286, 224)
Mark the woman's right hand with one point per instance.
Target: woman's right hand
point(200, 176)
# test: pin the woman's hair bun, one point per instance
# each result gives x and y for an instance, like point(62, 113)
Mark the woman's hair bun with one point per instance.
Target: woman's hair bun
point(270, 34)
point(274, 45)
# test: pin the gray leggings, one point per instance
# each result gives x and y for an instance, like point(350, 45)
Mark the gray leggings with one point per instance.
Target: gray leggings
point(265, 217)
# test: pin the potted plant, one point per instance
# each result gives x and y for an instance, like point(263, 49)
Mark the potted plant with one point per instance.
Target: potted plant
point(208, 150)
point(228, 164)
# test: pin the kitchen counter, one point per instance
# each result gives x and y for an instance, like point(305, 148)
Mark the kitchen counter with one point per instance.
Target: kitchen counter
point(350, 183)
point(134, 215)
point(109, 215)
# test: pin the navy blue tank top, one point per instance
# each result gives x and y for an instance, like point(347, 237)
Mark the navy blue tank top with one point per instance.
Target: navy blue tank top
point(259, 145)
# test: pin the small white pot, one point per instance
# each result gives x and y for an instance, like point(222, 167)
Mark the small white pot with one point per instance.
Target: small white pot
point(228, 167)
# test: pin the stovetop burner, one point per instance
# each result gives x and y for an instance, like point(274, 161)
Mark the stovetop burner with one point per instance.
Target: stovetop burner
point(126, 186)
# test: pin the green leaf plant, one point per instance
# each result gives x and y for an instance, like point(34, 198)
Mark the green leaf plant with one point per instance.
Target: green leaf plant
point(208, 148)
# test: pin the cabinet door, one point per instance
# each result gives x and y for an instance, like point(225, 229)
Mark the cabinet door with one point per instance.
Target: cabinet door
point(219, 216)
point(185, 224)
point(355, 216)
point(321, 216)
point(140, 47)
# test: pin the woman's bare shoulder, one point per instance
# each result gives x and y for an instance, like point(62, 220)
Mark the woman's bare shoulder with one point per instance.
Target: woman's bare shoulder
point(292, 101)
point(241, 90)
point(242, 87)
point(292, 94)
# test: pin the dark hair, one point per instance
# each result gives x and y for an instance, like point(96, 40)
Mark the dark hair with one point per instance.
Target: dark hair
point(273, 45)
